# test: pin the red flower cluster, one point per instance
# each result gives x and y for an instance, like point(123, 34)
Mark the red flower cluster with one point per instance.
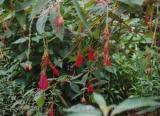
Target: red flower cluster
point(79, 60)
point(54, 69)
point(90, 88)
point(91, 54)
point(43, 83)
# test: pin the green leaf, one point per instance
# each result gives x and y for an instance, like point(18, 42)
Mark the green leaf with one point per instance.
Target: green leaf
point(82, 110)
point(40, 25)
point(39, 98)
point(101, 102)
point(135, 103)
point(36, 38)
point(22, 6)
point(132, 2)
point(150, 109)
point(21, 40)
point(80, 14)
point(21, 18)
point(1, 2)
point(37, 6)
point(75, 87)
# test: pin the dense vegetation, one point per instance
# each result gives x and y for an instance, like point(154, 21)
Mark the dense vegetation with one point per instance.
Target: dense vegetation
point(55, 54)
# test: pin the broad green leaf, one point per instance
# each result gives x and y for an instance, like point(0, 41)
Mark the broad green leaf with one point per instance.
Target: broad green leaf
point(150, 109)
point(39, 98)
point(134, 103)
point(1, 2)
point(40, 25)
point(101, 102)
point(21, 40)
point(37, 7)
point(82, 110)
point(133, 2)
point(21, 18)
point(75, 87)
point(36, 38)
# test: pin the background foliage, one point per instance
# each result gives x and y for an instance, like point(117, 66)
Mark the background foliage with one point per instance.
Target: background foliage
point(28, 28)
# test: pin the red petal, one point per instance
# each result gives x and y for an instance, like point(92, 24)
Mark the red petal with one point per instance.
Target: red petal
point(43, 83)
point(54, 69)
point(51, 113)
point(55, 72)
point(91, 54)
point(90, 88)
point(79, 60)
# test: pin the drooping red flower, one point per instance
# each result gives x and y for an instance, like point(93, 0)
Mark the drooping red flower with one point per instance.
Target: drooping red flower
point(58, 22)
point(107, 61)
point(54, 69)
point(106, 57)
point(51, 113)
point(90, 88)
point(79, 60)
point(91, 54)
point(43, 82)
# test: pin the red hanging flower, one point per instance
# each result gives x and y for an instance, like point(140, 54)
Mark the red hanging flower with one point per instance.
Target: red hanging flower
point(79, 60)
point(107, 61)
point(90, 88)
point(54, 69)
point(58, 22)
point(43, 83)
point(106, 58)
point(51, 113)
point(91, 54)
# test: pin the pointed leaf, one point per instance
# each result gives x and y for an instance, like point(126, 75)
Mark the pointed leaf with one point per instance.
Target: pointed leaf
point(80, 14)
point(134, 103)
point(40, 25)
point(82, 110)
point(133, 2)
point(39, 98)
